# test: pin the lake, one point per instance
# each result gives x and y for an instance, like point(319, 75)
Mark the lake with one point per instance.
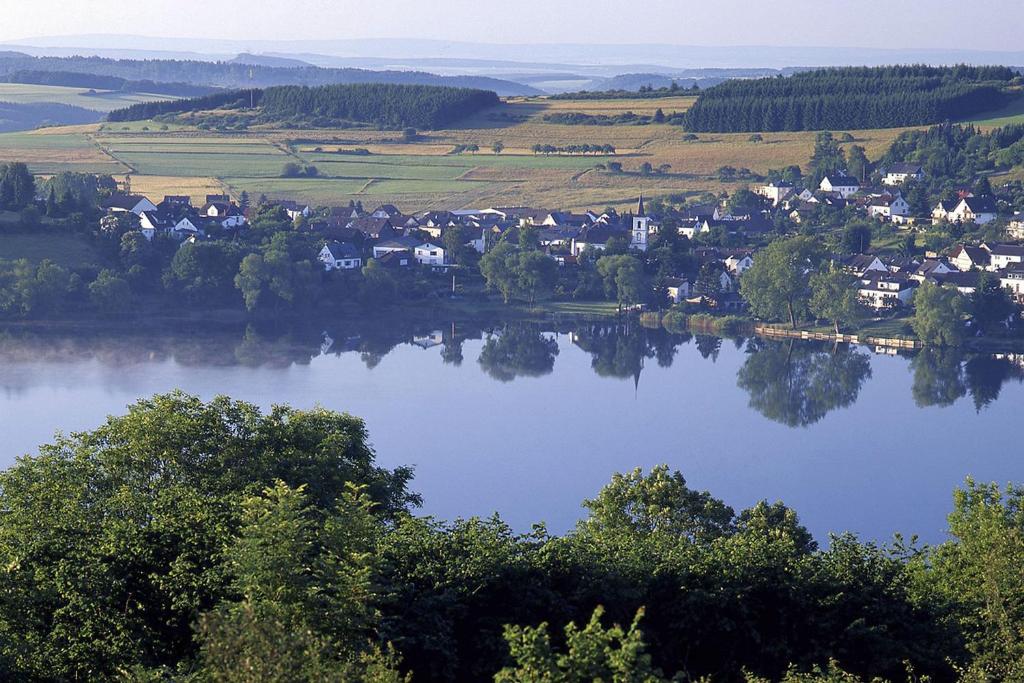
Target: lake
point(528, 420)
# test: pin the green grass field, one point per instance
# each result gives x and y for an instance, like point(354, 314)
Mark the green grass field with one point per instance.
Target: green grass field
point(1012, 113)
point(69, 251)
point(102, 101)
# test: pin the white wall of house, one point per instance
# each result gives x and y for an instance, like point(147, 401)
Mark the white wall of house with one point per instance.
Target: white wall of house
point(430, 254)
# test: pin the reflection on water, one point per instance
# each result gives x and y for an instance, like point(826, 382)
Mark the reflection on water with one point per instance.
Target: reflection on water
point(529, 419)
point(795, 383)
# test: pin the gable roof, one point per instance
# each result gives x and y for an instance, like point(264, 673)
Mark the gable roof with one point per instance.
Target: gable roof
point(342, 250)
point(126, 202)
point(904, 168)
point(983, 204)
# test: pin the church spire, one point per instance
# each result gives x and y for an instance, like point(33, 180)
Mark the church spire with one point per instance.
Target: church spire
point(640, 207)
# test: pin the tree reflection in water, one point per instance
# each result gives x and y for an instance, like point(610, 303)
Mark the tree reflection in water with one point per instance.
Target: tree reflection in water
point(518, 350)
point(798, 384)
point(794, 383)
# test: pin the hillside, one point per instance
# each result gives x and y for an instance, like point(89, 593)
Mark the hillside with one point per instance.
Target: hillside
point(384, 105)
point(243, 75)
point(17, 117)
point(856, 97)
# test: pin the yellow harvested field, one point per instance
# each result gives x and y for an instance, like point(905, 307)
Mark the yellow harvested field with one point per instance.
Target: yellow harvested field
point(157, 187)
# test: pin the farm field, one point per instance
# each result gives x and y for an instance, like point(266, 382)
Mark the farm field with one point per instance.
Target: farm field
point(104, 101)
point(426, 173)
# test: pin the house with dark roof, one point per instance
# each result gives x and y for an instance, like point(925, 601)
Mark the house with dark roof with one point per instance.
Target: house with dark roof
point(128, 203)
point(944, 208)
point(966, 257)
point(597, 236)
point(374, 228)
point(386, 211)
point(340, 256)
point(900, 173)
point(842, 185)
point(861, 264)
point(1003, 256)
point(980, 210)
point(885, 290)
point(403, 243)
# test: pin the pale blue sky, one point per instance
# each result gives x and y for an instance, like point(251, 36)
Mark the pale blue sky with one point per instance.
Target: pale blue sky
point(981, 24)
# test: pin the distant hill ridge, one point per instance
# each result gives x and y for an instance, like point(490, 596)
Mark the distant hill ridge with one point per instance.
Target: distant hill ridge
point(235, 74)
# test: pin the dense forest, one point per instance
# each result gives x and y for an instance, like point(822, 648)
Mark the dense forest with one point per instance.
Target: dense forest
point(420, 106)
point(74, 79)
point(200, 541)
point(241, 75)
point(851, 98)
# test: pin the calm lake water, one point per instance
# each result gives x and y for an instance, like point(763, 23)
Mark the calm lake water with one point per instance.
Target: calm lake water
point(528, 420)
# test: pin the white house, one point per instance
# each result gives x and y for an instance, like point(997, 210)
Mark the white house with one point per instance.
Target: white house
point(128, 203)
point(430, 254)
point(842, 185)
point(294, 209)
point(739, 263)
point(1015, 228)
point(862, 264)
point(898, 174)
point(888, 206)
point(395, 244)
point(677, 289)
point(225, 213)
point(340, 256)
point(185, 228)
point(981, 210)
point(775, 192)
point(885, 290)
point(1003, 256)
point(966, 257)
point(931, 267)
point(1013, 279)
point(943, 209)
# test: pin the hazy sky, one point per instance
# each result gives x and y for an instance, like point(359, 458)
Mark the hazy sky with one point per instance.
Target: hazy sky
point(981, 24)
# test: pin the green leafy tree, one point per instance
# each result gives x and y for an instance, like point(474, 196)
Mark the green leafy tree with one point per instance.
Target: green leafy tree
point(537, 275)
point(498, 147)
point(990, 304)
point(114, 540)
point(304, 578)
point(855, 238)
point(623, 277)
point(938, 315)
point(593, 653)
point(499, 267)
point(778, 285)
point(828, 158)
point(834, 298)
point(110, 293)
point(980, 570)
point(378, 286)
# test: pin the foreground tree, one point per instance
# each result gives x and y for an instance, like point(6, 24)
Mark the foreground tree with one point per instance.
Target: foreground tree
point(593, 653)
point(112, 541)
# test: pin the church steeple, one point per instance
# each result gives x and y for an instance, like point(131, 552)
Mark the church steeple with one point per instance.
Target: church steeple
point(640, 207)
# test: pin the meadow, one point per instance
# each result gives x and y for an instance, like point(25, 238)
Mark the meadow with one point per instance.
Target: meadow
point(70, 251)
point(103, 101)
point(377, 166)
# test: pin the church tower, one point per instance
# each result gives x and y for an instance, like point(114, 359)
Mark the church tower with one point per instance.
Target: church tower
point(641, 226)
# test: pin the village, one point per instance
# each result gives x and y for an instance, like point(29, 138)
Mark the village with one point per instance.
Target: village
point(351, 236)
